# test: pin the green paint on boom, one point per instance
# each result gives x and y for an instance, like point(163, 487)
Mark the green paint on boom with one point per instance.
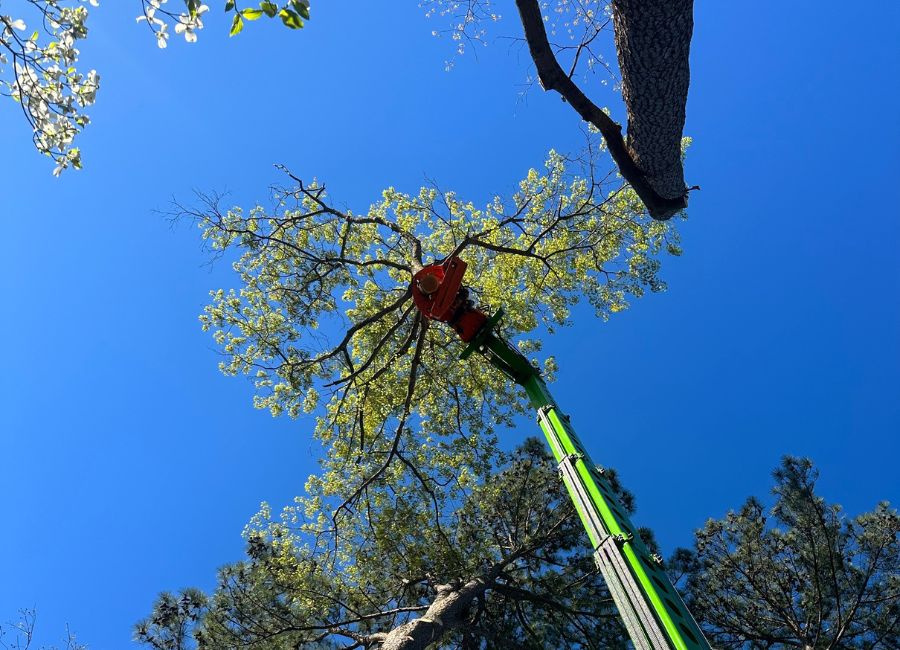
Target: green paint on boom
point(654, 614)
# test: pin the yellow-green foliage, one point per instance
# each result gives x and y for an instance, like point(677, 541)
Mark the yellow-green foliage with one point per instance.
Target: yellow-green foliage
point(324, 315)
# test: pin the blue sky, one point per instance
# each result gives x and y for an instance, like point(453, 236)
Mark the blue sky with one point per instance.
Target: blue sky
point(130, 465)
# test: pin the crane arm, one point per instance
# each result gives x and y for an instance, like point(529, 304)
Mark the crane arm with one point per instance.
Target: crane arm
point(650, 607)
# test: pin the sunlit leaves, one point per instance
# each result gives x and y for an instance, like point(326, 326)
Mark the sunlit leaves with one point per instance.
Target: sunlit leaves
point(290, 18)
point(158, 16)
point(409, 494)
point(512, 528)
point(39, 72)
point(237, 25)
point(322, 307)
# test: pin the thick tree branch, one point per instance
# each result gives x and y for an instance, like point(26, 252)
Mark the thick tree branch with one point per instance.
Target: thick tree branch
point(553, 77)
point(653, 39)
point(448, 611)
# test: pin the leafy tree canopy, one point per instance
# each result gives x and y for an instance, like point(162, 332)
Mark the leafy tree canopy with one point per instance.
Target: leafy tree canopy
point(416, 516)
point(504, 565)
point(39, 55)
point(652, 39)
point(324, 309)
point(802, 575)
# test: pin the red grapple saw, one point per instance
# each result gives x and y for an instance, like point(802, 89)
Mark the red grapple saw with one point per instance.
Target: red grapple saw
point(438, 293)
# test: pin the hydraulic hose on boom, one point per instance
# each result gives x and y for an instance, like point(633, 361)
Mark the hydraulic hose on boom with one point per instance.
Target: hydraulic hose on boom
point(652, 610)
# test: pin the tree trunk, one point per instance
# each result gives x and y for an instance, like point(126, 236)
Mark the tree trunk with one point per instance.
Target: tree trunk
point(448, 611)
point(653, 39)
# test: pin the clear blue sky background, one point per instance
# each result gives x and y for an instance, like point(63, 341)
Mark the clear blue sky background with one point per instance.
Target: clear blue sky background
point(129, 465)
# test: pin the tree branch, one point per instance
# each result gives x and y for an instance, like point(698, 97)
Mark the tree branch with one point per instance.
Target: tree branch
point(553, 77)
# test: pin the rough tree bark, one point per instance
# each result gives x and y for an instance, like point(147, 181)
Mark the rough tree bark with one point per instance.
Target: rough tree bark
point(653, 42)
point(448, 611)
point(653, 39)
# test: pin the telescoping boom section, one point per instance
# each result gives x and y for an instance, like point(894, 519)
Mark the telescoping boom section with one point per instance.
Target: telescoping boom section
point(652, 610)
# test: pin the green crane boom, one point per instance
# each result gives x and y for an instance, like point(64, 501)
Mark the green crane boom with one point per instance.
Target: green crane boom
point(652, 610)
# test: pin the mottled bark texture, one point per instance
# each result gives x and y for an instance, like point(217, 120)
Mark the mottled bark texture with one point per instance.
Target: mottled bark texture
point(448, 611)
point(653, 40)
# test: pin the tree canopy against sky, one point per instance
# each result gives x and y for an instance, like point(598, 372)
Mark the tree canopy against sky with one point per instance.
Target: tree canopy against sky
point(39, 50)
point(502, 562)
point(802, 574)
point(506, 565)
point(652, 41)
point(324, 305)
point(796, 355)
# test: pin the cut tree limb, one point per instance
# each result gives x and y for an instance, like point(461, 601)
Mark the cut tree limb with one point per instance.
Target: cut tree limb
point(653, 41)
